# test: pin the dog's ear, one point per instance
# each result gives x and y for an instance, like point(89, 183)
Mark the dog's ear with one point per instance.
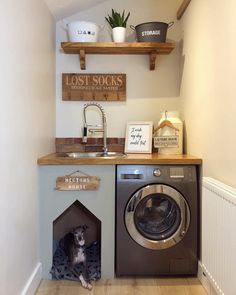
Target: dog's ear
point(85, 227)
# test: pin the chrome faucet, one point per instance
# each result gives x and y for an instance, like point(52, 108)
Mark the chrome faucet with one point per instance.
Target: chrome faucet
point(103, 129)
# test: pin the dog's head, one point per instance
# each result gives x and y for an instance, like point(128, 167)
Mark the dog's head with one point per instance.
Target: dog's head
point(79, 234)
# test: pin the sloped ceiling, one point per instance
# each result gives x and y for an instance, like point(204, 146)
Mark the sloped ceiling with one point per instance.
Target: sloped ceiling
point(64, 8)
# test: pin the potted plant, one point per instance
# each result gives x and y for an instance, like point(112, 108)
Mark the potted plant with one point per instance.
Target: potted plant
point(118, 22)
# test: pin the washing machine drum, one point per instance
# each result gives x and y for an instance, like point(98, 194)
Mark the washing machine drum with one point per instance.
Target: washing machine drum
point(157, 216)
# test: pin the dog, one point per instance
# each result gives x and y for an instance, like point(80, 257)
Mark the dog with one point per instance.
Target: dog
point(74, 246)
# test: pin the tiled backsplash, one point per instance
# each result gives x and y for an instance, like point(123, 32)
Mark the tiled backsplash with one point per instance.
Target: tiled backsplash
point(74, 144)
point(94, 144)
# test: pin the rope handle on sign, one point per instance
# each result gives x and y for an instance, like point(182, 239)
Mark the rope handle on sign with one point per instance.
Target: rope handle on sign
point(78, 171)
point(81, 172)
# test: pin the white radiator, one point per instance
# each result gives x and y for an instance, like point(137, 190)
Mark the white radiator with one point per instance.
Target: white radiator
point(219, 235)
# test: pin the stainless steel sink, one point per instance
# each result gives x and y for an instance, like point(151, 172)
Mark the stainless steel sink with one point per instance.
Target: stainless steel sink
point(109, 155)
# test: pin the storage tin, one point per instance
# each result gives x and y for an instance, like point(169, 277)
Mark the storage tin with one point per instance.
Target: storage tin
point(83, 31)
point(152, 31)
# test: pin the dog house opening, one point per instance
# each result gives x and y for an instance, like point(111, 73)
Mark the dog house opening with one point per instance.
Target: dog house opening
point(77, 215)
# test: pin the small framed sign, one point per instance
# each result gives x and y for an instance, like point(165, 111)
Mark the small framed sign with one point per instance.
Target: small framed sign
point(138, 137)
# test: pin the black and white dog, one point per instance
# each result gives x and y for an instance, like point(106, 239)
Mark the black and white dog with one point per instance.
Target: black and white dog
point(74, 246)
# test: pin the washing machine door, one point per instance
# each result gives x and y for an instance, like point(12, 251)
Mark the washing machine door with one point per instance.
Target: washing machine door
point(157, 216)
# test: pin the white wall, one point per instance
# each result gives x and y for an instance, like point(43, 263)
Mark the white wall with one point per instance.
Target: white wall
point(208, 86)
point(27, 118)
point(148, 92)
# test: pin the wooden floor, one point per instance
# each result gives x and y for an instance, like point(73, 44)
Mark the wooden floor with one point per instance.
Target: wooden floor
point(179, 286)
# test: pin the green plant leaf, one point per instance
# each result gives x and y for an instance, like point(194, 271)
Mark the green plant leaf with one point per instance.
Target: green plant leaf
point(117, 19)
point(123, 16)
point(127, 17)
point(113, 14)
point(108, 21)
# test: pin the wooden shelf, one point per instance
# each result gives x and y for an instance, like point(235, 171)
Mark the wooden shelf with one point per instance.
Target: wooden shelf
point(149, 48)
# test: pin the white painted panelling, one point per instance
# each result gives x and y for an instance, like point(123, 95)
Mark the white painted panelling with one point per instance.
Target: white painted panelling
point(218, 235)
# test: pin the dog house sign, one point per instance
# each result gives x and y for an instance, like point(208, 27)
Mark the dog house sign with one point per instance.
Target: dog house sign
point(73, 182)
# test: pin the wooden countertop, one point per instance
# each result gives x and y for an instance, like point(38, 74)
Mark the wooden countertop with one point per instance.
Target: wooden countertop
point(58, 159)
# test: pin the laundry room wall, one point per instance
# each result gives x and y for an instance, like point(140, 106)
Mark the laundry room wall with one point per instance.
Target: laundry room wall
point(148, 92)
point(27, 131)
point(208, 86)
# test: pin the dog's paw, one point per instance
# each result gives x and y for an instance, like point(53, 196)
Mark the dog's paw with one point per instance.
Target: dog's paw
point(85, 284)
point(89, 286)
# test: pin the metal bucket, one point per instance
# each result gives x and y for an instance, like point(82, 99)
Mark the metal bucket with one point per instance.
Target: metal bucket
point(152, 31)
point(83, 31)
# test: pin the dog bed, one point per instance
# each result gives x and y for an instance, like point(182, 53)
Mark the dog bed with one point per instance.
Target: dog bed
point(60, 269)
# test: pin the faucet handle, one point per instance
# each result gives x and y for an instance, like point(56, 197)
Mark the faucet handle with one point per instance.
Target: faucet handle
point(85, 133)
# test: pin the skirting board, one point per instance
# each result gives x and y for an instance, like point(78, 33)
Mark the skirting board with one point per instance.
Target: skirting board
point(33, 281)
point(205, 280)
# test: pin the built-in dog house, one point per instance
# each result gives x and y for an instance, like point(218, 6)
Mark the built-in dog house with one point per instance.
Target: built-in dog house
point(77, 214)
point(62, 210)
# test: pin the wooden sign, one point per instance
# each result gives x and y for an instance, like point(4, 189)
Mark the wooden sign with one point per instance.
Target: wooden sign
point(166, 141)
point(98, 87)
point(77, 183)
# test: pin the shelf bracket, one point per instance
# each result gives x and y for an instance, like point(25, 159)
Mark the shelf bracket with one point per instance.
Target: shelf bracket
point(152, 60)
point(82, 59)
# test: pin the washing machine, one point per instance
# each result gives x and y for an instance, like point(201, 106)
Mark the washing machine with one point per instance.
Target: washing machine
point(156, 220)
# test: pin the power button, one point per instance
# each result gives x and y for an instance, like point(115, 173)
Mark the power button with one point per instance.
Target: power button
point(157, 172)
